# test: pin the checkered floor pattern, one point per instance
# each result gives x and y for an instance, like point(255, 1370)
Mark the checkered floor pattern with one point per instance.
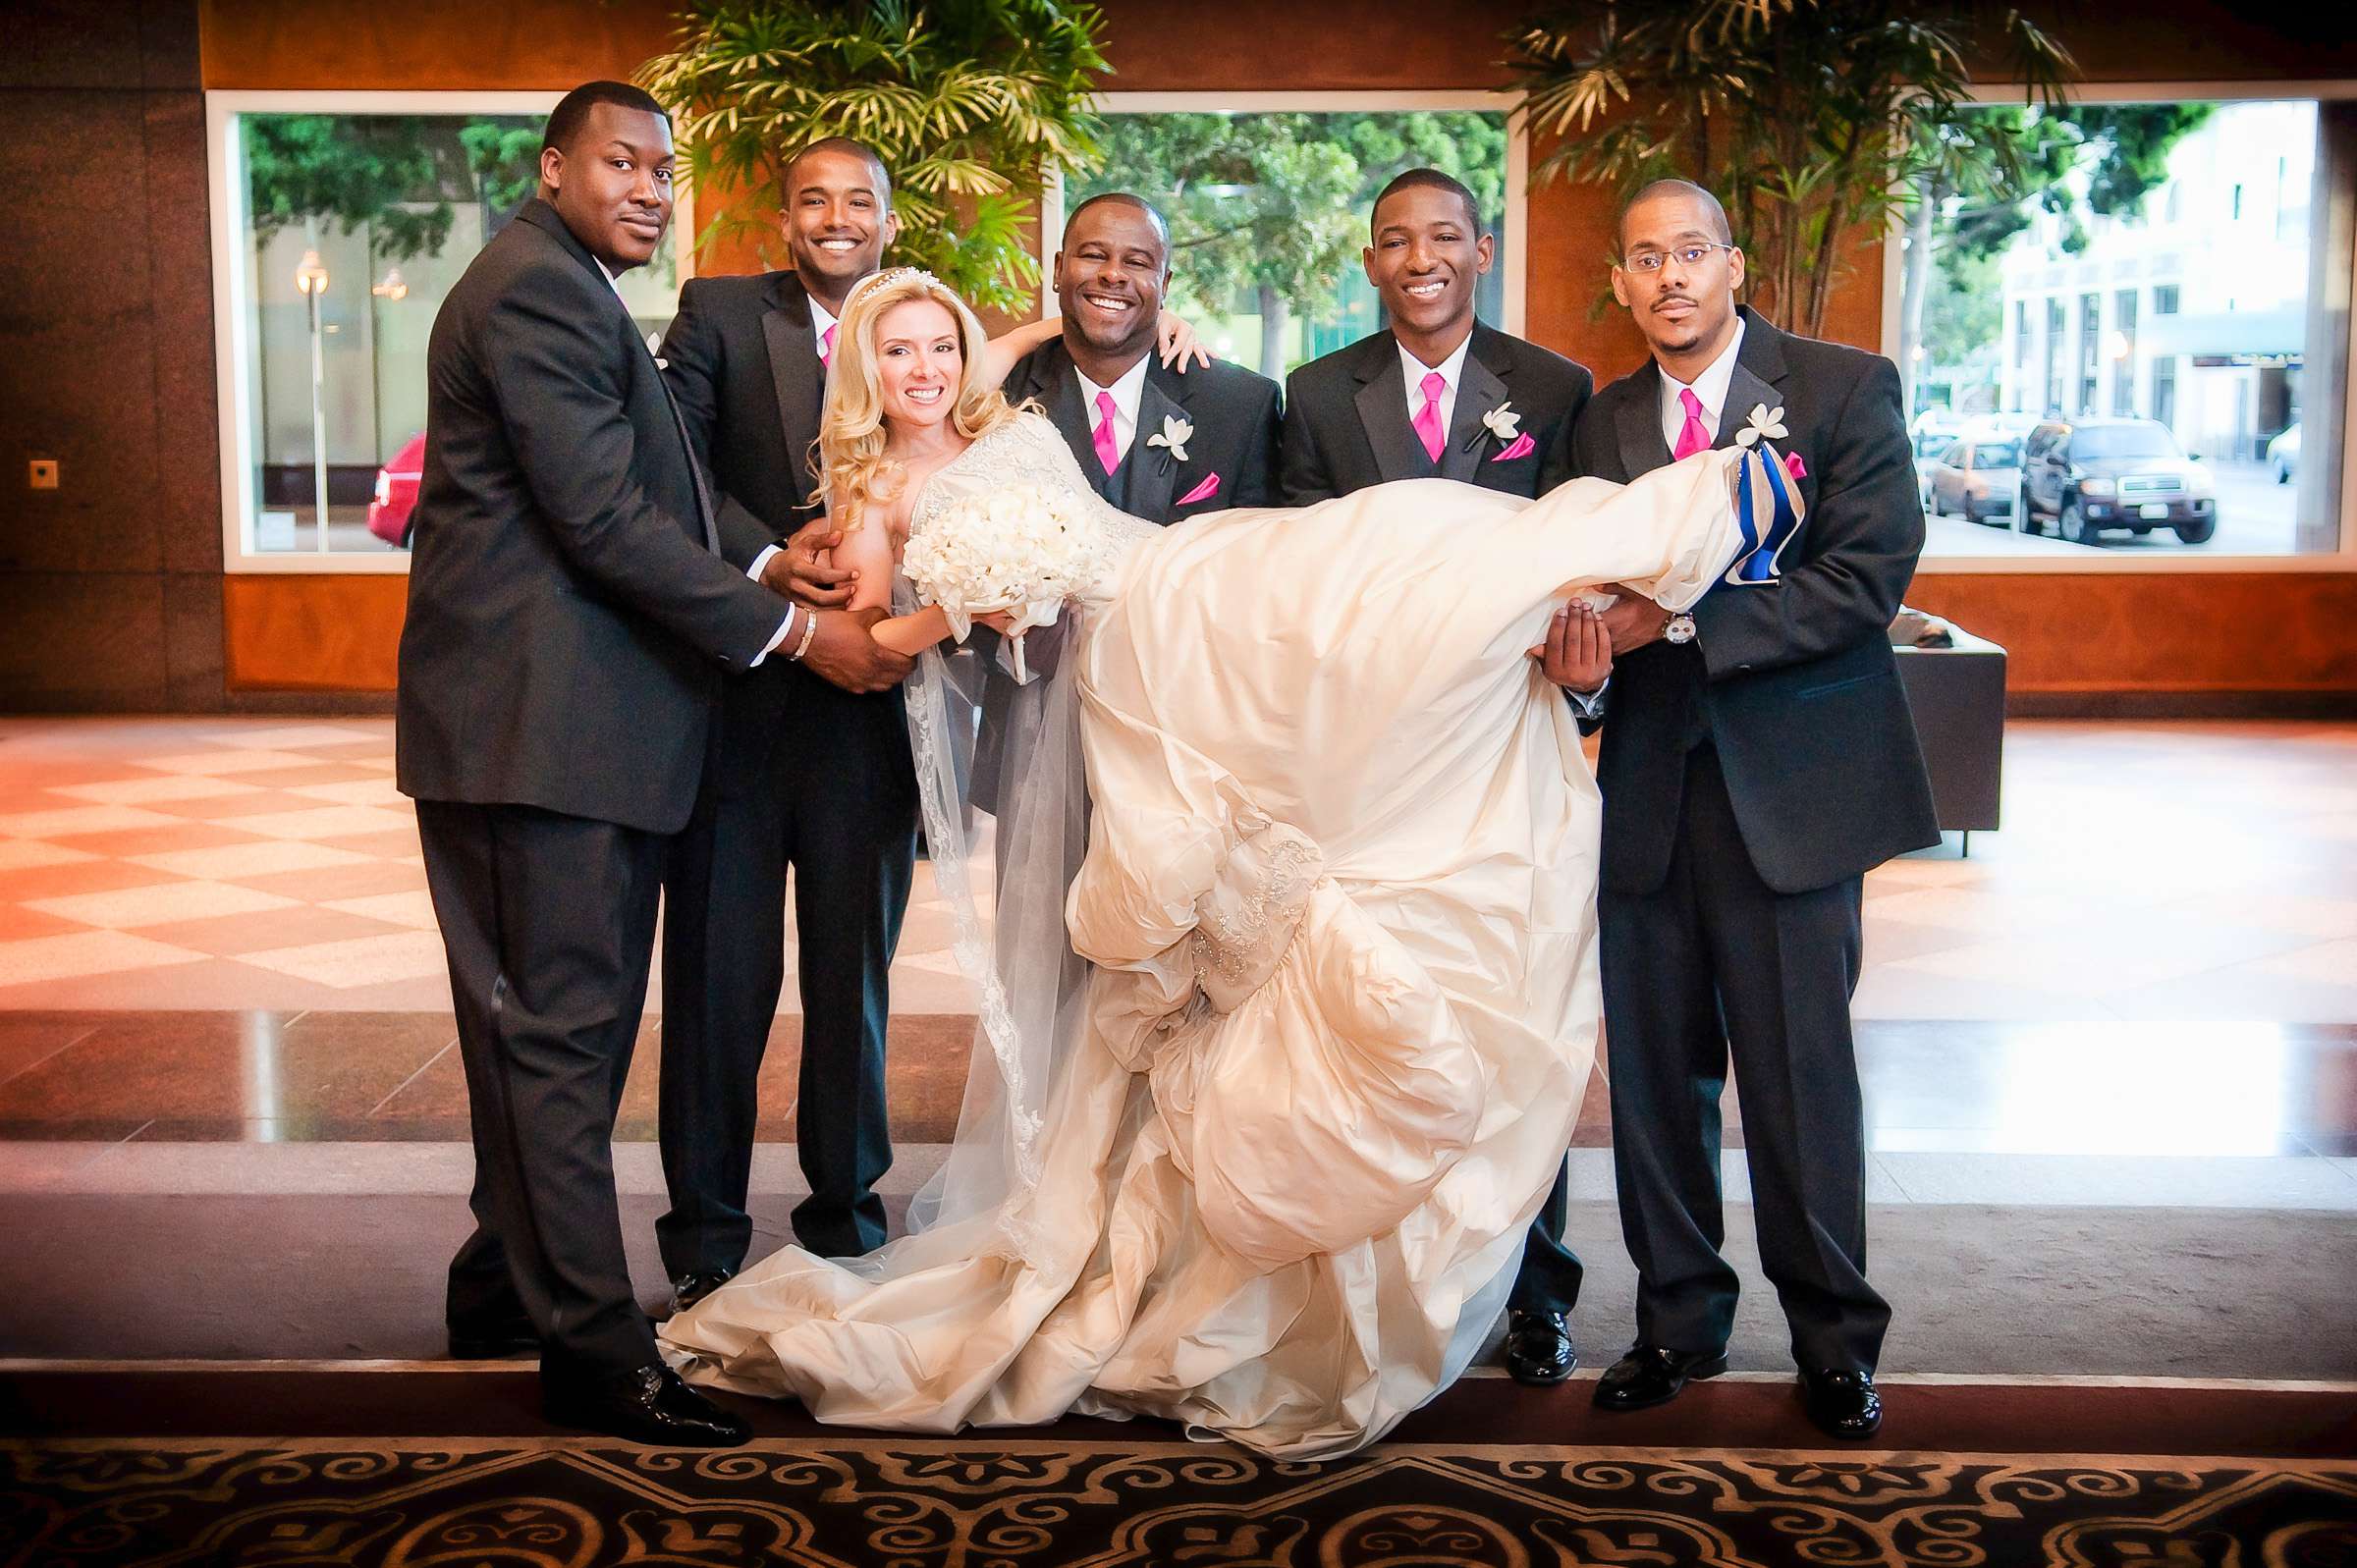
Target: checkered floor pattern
point(2145, 871)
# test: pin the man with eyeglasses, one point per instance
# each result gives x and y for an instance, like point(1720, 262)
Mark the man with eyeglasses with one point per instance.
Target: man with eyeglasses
point(1758, 759)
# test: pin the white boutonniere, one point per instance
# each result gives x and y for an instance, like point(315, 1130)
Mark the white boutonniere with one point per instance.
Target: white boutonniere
point(1177, 432)
point(1764, 422)
point(1503, 422)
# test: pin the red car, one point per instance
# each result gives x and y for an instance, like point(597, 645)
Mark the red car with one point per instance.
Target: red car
point(397, 491)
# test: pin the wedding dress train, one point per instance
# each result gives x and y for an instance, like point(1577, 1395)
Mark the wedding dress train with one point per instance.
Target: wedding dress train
point(1337, 904)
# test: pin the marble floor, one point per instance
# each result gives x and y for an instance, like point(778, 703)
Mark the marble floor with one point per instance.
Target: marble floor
point(215, 932)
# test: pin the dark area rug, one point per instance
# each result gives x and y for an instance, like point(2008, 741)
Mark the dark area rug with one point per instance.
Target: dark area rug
point(1013, 1504)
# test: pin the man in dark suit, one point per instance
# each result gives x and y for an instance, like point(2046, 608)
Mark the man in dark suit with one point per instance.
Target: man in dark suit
point(570, 617)
point(1758, 759)
point(1439, 393)
point(803, 774)
point(1118, 405)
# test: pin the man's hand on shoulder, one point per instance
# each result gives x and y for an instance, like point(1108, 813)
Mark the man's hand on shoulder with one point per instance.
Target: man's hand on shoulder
point(802, 569)
point(845, 654)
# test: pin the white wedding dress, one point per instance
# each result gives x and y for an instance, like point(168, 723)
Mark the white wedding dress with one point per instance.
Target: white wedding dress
point(1264, 1163)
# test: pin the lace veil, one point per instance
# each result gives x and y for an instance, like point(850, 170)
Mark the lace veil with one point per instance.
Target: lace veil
point(1016, 850)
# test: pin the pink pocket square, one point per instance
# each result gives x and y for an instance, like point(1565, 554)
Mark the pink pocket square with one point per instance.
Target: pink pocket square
point(1795, 466)
point(1203, 492)
point(1522, 447)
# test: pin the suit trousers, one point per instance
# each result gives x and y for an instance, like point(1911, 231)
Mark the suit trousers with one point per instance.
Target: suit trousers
point(831, 793)
point(549, 921)
point(1714, 964)
point(1549, 1275)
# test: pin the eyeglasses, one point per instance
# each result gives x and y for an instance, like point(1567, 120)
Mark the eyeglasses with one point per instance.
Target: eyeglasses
point(1693, 256)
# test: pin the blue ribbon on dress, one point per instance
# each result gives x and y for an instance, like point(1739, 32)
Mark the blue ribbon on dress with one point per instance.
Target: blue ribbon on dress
point(1769, 510)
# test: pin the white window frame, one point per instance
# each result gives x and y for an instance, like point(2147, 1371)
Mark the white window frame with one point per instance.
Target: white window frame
point(2109, 563)
point(233, 376)
point(1512, 259)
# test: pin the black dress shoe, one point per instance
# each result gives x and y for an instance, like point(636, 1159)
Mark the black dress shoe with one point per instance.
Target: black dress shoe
point(1842, 1403)
point(695, 1285)
point(494, 1341)
point(1653, 1374)
point(645, 1404)
point(1539, 1353)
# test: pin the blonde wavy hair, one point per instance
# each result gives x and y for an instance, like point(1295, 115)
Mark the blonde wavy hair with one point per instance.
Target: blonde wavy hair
point(852, 470)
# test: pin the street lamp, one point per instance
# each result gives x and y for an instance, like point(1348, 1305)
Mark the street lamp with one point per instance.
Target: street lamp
point(311, 279)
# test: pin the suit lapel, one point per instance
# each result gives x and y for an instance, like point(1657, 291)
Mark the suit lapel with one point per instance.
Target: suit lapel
point(1758, 379)
point(797, 374)
point(1382, 404)
point(540, 215)
point(1638, 424)
point(1479, 389)
point(1153, 470)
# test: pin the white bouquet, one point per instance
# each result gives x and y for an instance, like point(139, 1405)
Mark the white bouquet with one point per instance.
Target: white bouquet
point(1019, 549)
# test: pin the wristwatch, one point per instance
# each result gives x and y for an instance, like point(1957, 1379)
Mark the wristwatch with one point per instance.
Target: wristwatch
point(1678, 628)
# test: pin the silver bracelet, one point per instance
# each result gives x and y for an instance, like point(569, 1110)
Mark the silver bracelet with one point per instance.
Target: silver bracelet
point(810, 630)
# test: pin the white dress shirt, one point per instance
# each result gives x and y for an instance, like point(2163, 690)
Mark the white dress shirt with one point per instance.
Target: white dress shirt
point(1126, 394)
point(822, 322)
point(1451, 370)
point(1709, 388)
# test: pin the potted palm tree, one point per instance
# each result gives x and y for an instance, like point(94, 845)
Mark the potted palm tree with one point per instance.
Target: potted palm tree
point(1811, 120)
point(973, 104)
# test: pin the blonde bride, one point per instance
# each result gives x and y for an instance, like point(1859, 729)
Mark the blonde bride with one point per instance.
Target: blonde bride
point(1290, 993)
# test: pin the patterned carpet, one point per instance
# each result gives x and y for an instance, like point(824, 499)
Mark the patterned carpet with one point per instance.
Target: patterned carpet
point(546, 1503)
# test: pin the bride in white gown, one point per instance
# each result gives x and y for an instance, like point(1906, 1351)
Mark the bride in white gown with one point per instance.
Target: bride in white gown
point(1260, 1159)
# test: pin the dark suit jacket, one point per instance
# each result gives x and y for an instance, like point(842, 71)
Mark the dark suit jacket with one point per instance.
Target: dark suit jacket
point(743, 360)
point(570, 614)
point(1345, 418)
point(1794, 681)
point(1234, 412)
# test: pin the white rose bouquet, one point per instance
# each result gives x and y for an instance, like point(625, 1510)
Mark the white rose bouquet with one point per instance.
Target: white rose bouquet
point(1020, 549)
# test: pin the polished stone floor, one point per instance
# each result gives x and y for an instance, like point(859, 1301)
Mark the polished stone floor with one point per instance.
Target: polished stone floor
point(215, 932)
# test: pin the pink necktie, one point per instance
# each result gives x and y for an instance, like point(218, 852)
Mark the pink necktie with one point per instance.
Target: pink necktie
point(1427, 422)
point(1107, 453)
point(826, 350)
point(1691, 436)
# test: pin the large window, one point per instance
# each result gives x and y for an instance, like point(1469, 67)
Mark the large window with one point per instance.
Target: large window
point(1268, 195)
point(341, 221)
point(2195, 333)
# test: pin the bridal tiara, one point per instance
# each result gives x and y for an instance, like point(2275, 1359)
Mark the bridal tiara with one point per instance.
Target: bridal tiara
point(886, 279)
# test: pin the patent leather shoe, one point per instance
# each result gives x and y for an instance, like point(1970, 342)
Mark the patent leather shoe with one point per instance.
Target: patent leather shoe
point(1841, 1402)
point(1539, 1353)
point(694, 1285)
point(1653, 1374)
point(645, 1404)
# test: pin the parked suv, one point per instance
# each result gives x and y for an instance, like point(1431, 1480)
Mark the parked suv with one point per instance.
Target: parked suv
point(2090, 476)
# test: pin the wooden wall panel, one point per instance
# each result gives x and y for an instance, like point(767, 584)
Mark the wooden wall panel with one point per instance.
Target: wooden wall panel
point(290, 632)
point(2159, 633)
point(429, 46)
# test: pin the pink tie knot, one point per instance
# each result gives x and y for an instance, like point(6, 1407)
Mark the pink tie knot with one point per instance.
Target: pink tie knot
point(1427, 422)
point(1691, 436)
point(826, 353)
point(1109, 452)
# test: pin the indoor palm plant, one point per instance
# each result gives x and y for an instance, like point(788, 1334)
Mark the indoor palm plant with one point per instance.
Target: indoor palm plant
point(1808, 118)
point(973, 104)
